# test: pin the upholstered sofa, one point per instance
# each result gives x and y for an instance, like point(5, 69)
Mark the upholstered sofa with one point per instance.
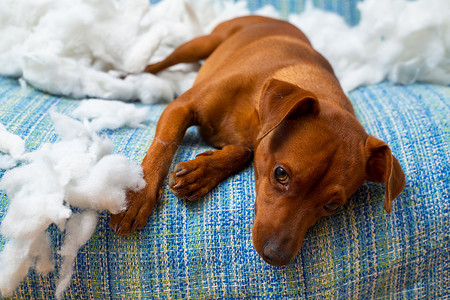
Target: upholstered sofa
point(204, 249)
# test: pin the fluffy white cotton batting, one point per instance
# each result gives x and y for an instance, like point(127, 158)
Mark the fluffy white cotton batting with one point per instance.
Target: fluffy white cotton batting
point(11, 143)
point(79, 230)
point(12, 148)
point(108, 179)
point(403, 41)
point(80, 48)
point(76, 47)
point(19, 255)
point(77, 171)
point(104, 114)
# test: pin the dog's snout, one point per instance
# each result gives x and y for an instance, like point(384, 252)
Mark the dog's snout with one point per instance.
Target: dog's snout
point(275, 256)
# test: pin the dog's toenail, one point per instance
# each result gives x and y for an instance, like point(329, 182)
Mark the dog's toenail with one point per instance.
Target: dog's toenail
point(192, 198)
point(178, 186)
point(119, 230)
point(206, 153)
point(177, 168)
point(158, 198)
point(172, 181)
point(181, 173)
point(135, 225)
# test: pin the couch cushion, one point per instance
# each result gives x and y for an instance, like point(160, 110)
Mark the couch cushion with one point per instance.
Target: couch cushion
point(204, 249)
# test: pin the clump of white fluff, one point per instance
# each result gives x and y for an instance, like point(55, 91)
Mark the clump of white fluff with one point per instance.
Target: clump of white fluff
point(12, 148)
point(110, 114)
point(79, 229)
point(19, 255)
point(78, 171)
point(79, 48)
point(403, 41)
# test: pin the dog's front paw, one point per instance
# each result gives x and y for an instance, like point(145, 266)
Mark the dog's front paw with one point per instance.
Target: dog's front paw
point(140, 205)
point(193, 179)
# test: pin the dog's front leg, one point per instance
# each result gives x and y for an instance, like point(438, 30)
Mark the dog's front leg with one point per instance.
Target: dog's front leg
point(171, 127)
point(195, 178)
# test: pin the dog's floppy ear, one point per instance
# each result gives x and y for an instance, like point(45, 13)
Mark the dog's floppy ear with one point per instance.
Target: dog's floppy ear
point(281, 100)
point(382, 166)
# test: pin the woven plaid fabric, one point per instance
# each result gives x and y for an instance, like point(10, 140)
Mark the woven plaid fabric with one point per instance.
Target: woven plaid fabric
point(204, 249)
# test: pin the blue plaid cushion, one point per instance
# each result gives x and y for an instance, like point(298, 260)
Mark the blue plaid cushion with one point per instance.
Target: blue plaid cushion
point(204, 249)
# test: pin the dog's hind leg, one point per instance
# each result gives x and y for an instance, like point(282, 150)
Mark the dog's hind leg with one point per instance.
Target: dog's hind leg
point(195, 178)
point(201, 47)
point(192, 51)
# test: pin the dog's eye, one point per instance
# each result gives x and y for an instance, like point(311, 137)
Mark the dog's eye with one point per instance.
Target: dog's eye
point(332, 207)
point(281, 175)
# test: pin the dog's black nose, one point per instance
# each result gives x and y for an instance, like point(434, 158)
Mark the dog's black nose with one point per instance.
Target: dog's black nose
point(274, 256)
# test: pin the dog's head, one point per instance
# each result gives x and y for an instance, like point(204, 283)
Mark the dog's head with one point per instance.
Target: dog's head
point(310, 159)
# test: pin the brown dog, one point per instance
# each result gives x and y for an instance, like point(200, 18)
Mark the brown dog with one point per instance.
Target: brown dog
point(264, 91)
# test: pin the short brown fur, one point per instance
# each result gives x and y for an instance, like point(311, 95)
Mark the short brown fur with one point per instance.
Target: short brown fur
point(264, 94)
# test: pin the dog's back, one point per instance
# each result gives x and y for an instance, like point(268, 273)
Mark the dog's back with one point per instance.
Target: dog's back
point(252, 51)
point(241, 38)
